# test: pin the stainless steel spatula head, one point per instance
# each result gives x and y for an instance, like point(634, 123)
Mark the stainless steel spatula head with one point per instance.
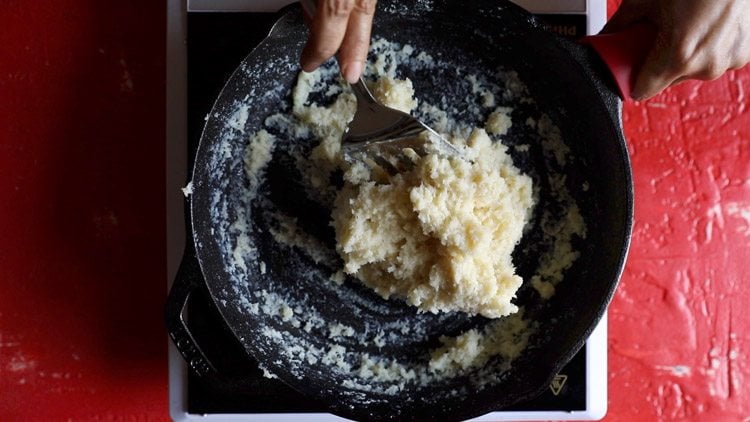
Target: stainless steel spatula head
point(388, 137)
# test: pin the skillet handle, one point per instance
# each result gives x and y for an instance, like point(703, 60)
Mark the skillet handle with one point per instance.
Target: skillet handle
point(624, 53)
point(186, 282)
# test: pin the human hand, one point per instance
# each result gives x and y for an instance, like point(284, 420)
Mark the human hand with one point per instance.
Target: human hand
point(696, 39)
point(341, 26)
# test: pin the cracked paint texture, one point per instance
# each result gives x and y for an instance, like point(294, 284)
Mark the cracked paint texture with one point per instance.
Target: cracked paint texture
point(679, 323)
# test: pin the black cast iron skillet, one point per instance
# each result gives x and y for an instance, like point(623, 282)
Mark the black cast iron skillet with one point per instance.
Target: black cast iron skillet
point(567, 82)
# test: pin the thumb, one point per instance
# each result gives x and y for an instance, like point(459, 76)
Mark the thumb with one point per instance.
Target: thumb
point(656, 72)
point(627, 14)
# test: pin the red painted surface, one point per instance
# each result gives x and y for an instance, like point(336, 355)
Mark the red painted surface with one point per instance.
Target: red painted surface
point(679, 325)
point(82, 249)
point(82, 229)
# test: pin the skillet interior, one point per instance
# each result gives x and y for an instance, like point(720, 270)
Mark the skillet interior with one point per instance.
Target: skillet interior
point(480, 37)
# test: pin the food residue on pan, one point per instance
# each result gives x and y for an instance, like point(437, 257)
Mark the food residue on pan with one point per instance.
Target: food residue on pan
point(320, 108)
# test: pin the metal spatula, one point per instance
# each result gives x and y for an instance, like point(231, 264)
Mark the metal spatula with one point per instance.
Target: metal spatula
point(384, 136)
point(387, 136)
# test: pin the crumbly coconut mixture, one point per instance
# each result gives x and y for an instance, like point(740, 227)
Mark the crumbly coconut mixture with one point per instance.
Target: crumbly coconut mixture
point(319, 111)
point(441, 235)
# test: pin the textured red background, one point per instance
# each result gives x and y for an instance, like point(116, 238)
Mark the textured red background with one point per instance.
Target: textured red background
point(82, 249)
point(679, 331)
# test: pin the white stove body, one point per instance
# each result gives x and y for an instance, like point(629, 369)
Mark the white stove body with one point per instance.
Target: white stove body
point(176, 142)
